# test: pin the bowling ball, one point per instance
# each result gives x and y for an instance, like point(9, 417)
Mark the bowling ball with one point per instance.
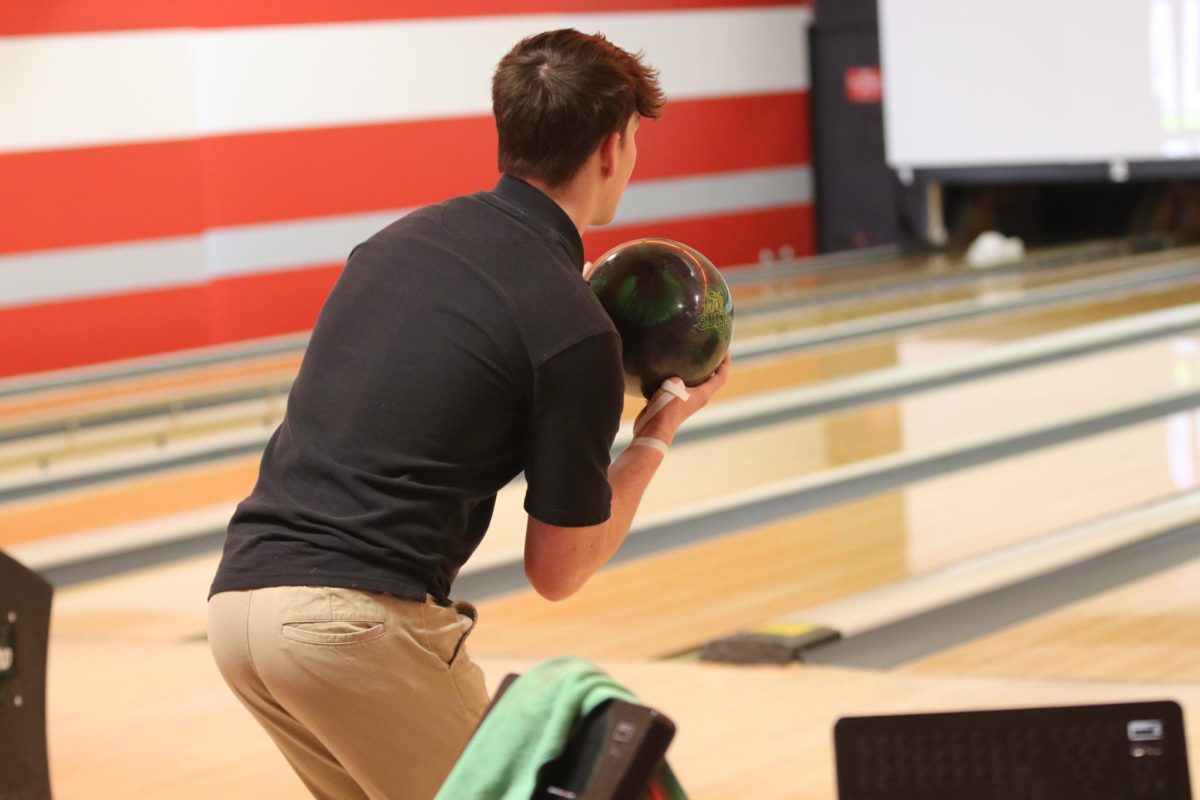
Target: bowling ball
point(671, 307)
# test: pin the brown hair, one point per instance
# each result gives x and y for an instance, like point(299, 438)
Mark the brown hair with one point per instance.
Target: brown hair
point(556, 95)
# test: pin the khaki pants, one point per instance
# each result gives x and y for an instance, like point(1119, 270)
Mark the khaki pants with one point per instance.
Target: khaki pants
point(367, 695)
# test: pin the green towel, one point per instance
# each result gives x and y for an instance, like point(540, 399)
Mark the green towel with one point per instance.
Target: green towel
point(529, 727)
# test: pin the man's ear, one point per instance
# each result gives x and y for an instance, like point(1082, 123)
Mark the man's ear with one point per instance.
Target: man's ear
point(608, 154)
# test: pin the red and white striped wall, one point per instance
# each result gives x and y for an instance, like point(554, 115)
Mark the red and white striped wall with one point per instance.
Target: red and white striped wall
point(179, 174)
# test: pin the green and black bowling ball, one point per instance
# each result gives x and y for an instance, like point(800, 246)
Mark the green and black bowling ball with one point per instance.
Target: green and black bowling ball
point(671, 307)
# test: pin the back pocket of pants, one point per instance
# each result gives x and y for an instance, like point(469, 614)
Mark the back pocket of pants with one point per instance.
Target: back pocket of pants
point(338, 631)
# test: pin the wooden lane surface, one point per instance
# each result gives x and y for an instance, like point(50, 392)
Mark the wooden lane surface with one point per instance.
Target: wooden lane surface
point(1008, 327)
point(164, 604)
point(52, 404)
point(96, 444)
point(88, 444)
point(815, 448)
point(768, 288)
point(1144, 631)
point(229, 481)
point(28, 408)
point(155, 720)
point(745, 460)
point(808, 316)
point(125, 501)
point(928, 344)
point(57, 403)
point(676, 600)
point(882, 273)
point(672, 601)
point(817, 442)
point(69, 400)
point(772, 288)
point(183, 380)
point(72, 444)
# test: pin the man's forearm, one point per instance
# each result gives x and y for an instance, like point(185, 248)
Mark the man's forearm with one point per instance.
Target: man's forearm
point(629, 475)
point(557, 565)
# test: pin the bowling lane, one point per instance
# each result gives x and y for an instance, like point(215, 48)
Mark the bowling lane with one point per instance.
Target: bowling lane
point(28, 408)
point(760, 455)
point(813, 445)
point(115, 504)
point(995, 406)
point(749, 377)
point(908, 296)
point(924, 345)
point(106, 419)
point(831, 274)
point(771, 282)
point(51, 422)
point(673, 601)
point(25, 407)
point(752, 377)
point(1143, 631)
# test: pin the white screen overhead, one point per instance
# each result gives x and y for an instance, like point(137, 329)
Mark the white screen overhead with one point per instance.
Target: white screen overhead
point(981, 83)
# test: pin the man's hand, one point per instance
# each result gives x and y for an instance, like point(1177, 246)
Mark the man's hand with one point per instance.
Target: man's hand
point(663, 424)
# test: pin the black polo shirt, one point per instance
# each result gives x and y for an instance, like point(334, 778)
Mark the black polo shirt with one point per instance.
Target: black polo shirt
point(459, 347)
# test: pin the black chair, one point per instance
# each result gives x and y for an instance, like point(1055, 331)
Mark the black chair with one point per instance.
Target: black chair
point(24, 634)
point(616, 753)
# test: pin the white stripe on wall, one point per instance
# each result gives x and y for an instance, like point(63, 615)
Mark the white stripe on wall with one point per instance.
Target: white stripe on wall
point(248, 249)
point(253, 249)
point(724, 193)
point(70, 273)
point(90, 89)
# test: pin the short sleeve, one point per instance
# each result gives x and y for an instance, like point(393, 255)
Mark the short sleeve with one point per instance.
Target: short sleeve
point(577, 400)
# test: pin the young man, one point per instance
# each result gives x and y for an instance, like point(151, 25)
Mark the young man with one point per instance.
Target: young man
point(460, 347)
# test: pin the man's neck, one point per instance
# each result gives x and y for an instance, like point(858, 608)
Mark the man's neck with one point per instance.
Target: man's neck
point(571, 198)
